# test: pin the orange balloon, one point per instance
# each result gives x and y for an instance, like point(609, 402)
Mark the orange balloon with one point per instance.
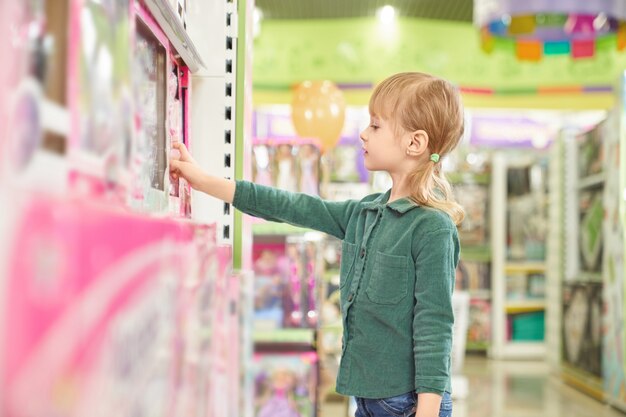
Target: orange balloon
point(318, 110)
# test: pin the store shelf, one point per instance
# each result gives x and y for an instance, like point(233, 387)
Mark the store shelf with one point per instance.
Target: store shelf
point(337, 327)
point(588, 277)
point(277, 229)
point(301, 336)
point(583, 381)
point(591, 181)
point(468, 178)
point(480, 294)
point(176, 33)
point(477, 346)
point(524, 267)
point(523, 350)
point(511, 276)
point(524, 306)
point(475, 253)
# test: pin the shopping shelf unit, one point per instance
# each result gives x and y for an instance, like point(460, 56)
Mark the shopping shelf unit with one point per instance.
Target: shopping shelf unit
point(473, 271)
point(586, 170)
point(518, 223)
point(286, 264)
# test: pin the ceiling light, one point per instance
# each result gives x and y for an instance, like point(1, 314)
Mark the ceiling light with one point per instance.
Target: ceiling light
point(386, 14)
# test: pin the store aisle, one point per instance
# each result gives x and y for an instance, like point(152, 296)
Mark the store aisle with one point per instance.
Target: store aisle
point(523, 389)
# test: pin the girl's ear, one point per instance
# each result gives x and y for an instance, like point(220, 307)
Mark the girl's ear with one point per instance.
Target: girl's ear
point(418, 144)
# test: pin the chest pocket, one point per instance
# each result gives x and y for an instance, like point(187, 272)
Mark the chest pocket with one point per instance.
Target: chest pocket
point(348, 255)
point(389, 280)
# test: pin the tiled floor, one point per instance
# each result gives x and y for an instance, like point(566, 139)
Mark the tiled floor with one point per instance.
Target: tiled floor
point(513, 389)
point(523, 389)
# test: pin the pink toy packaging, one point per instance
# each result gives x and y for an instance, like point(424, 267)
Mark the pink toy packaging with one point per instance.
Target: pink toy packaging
point(285, 384)
point(93, 312)
point(110, 305)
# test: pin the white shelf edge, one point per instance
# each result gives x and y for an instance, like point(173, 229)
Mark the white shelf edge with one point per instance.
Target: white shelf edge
point(584, 276)
point(479, 294)
point(591, 181)
point(176, 33)
point(529, 266)
point(522, 303)
point(523, 350)
point(526, 306)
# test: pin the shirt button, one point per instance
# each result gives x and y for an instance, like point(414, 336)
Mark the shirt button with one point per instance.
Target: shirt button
point(362, 253)
point(350, 297)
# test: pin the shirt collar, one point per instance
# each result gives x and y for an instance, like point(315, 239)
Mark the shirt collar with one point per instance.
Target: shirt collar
point(401, 205)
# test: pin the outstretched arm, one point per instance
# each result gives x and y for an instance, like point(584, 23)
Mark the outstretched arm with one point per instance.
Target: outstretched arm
point(267, 202)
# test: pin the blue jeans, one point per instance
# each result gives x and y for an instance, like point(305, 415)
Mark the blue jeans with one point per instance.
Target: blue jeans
point(400, 406)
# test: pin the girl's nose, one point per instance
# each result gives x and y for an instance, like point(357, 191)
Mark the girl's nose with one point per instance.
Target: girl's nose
point(362, 135)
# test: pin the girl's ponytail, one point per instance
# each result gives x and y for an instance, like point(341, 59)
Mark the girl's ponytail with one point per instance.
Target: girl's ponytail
point(431, 188)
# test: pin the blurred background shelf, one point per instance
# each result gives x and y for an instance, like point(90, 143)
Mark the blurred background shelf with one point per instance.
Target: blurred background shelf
point(476, 253)
point(591, 181)
point(284, 340)
point(524, 267)
point(277, 229)
point(524, 306)
point(468, 178)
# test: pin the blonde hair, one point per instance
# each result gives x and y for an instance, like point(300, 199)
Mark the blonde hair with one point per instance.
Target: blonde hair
point(416, 101)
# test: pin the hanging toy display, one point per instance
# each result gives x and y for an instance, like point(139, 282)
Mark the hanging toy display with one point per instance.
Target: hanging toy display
point(531, 30)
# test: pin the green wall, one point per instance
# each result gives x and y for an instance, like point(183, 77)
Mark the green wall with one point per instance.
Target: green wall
point(356, 50)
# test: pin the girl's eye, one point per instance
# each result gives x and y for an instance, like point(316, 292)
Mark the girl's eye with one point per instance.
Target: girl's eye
point(374, 127)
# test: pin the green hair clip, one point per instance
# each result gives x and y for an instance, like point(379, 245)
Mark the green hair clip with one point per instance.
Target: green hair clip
point(434, 157)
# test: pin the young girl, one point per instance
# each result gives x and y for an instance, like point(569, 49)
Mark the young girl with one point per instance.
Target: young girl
point(399, 253)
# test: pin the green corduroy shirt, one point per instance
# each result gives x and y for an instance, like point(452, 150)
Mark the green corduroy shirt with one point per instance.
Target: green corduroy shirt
point(397, 276)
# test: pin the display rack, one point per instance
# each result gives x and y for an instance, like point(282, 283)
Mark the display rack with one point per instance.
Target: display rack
point(473, 272)
point(614, 366)
point(582, 286)
point(518, 268)
point(593, 248)
point(555, 255)
point(166, 322)
point(175, 30)
point(217, 104)
point(286, 314)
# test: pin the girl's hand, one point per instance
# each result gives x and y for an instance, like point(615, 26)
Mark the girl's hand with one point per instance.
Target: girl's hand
point(180, 152)
point(184, 166)
point(428, 404)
